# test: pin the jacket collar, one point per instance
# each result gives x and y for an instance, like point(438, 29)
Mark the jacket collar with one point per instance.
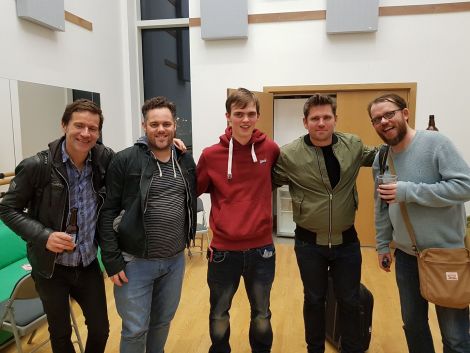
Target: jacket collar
point(55, 148)
point(309, 143)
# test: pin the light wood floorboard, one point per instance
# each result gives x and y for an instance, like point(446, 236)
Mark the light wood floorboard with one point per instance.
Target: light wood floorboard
point(189, 330)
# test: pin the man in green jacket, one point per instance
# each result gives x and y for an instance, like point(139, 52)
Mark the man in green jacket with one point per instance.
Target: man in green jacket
point(321, 170)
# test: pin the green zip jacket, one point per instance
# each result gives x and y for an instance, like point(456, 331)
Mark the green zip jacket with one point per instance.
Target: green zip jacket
point(316, 206)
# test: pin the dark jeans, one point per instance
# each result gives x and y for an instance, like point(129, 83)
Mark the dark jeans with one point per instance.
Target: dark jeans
point(257, 267)
point(453, 323)
point(86, 286)
point(344, 262)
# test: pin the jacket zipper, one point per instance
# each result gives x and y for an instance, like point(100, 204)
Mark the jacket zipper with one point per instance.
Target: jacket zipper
point(330, 199)
point(97, 194)
point(62, 219)
point(188, 203)
point(145, 208)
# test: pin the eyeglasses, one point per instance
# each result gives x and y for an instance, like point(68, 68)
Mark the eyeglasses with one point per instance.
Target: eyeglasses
point(378, 119)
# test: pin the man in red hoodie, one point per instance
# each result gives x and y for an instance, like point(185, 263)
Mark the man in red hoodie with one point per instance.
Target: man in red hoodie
point(237, 174)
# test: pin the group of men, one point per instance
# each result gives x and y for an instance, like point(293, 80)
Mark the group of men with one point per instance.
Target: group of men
point(139, 206)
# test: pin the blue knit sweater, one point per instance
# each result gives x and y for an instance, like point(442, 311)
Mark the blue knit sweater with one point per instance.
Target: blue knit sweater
point(434, 182)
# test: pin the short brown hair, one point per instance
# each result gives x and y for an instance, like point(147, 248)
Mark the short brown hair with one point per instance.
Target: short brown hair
point(240, 98)
point(388, 97)
point(318, 99)
point(81, 105)
point(157, 103)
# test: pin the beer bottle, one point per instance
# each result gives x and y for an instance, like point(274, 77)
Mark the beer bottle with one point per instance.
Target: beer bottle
point(72, 227)
point(432, 124)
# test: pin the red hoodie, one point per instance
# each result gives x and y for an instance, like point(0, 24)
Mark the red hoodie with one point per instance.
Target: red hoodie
point(240, 188)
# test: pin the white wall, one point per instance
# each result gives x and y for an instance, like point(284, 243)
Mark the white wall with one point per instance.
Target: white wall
point(76, 58)
point(432, 50)
point(41, 107)
point(288, 124)
point(7, 159)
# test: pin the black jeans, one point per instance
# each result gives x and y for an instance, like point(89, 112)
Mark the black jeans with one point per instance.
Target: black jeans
point(86, 286)
point(257, 266)
point(345, 267)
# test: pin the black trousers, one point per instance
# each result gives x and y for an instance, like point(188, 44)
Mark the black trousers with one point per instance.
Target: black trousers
point(86, 286)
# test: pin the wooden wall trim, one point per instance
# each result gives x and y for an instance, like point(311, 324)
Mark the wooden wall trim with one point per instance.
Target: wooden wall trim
point(70, 17)
point(321, 14)
point(309, 89)
point(287, 16)
point(411, 87)
point(424, 9)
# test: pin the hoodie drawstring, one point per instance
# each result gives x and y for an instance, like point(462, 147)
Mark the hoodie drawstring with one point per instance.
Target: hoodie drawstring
point(230, 155)
point(253, 154)
point(172, 163)
point(230, 158)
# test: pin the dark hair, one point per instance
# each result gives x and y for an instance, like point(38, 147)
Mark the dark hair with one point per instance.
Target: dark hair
point(388, 97)
point(81, 105)
point(318, 99)
point(240, 99)
point(157, 103)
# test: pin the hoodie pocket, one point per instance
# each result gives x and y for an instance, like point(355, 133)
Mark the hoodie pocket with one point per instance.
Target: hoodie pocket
point(243, 219)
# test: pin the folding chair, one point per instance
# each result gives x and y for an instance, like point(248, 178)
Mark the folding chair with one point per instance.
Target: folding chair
point(201, 228)
point(22, 314)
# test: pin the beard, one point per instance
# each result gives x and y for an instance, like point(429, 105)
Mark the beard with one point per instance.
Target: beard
point(401, 133)
point(159, 144)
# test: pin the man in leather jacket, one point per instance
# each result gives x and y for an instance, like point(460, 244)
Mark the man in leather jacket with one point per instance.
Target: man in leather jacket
point(147, 220)
point(37, 206)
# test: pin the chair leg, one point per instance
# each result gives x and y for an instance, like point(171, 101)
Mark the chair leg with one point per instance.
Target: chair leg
point(15, 333)
point(32, 336)
point(75, 328)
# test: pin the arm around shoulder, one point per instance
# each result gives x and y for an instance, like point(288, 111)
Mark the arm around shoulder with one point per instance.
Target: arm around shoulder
point(202, 175)
point(279, 172)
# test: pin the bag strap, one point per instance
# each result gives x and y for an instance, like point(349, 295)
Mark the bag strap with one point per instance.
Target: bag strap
point(404, 213)
point(383, 154)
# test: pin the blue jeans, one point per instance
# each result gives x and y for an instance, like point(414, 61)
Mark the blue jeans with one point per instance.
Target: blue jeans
point(344, 262)
point(453, 323)
point(257, 267)
point(148, 302)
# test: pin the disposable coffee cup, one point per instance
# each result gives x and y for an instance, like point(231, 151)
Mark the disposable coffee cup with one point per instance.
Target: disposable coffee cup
point(387, 179)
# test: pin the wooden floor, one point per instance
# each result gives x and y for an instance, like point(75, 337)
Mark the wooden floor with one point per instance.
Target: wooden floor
point(189, 330)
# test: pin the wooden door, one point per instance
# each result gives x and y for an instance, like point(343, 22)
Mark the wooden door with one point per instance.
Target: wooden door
point(266, 108)
point(353, 118)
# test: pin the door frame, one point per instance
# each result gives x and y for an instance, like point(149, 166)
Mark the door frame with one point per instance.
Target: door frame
point(411, 87)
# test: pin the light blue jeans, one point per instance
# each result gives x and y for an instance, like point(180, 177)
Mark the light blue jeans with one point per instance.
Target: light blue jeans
point(453, 323)
point(148, 302)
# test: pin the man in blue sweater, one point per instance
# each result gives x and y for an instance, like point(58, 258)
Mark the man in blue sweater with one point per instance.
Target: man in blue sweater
point(434, 182)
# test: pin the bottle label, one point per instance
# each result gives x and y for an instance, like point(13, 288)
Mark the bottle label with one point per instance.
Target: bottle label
point(74, 237)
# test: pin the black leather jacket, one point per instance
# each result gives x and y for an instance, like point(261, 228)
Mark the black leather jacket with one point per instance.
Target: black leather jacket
point(127, 184)
point(34, 209)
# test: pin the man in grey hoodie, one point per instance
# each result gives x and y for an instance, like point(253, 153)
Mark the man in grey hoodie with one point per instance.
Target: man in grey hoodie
point(433, 182)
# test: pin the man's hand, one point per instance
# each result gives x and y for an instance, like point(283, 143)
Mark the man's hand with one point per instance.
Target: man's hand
point(388, 192)
point(59, 242)
point(385, 261)
point(180, 145)
point(119, 279)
